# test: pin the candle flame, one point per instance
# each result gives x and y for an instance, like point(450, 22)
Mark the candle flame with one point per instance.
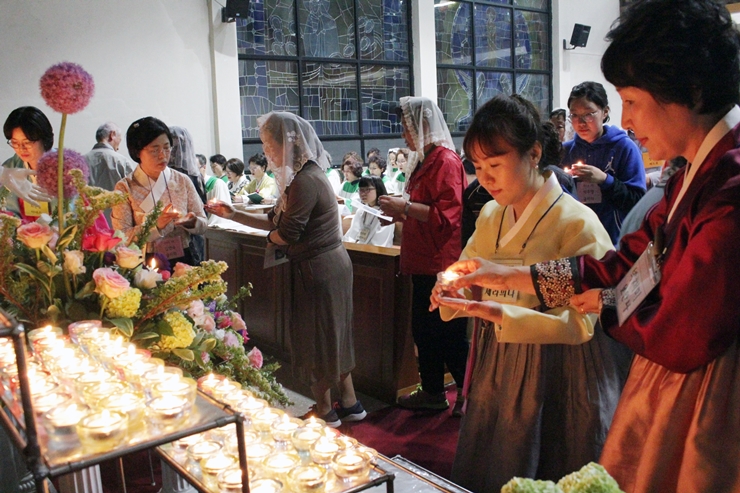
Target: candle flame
point(153, 265)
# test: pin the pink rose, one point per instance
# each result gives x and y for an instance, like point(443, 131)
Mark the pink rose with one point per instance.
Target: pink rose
point(34, 235)
point(128, 258)
point(110, 283)
point(97, 238)
point(196, 309)
point(224, 322)
point(180, 269)
point(231, 339)
point(237, 323)
point(255, 358)
point(209, 325)
point(165, 275)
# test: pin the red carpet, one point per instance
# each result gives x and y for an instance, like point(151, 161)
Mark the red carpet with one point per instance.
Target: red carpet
point(428, 439)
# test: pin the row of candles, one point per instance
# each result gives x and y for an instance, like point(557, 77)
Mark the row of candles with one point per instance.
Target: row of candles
point(93, 392)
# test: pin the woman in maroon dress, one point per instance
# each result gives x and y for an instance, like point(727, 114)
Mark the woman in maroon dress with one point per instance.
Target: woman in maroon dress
point(676, 65)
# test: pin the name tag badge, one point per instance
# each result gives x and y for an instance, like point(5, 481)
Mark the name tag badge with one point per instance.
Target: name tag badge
point(274, 256)
point(170, 247)
point(509, 296)
point(362, 237)
point(637, 284)
point(35, 211)
point(588, 193)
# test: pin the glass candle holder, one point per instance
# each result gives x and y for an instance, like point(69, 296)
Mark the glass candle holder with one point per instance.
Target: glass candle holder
point(91, 336)
point(183, 387)
point(310, 478)
point(231, 442)
point(256, 453)
point(61, 426)
point(276, 466)
point(213, 465)
point(97, 391)
point(314, 423)
point(129, 356)
point(42, 333)
point(129, 402)
point(371, 453)
point(249, 406)
point(351, 465)
point(158, 375)
point(304, 437)
point(446, 278)
point(101, 431)
point(230, 480)
point(282, 429)
point(224, 388)
point(76, 328)
point(181, 446)
point(203, 449)
point(46, 402)
point(168, 410)
point(208, 382)
point(265, 485)
point(233, 399)
point(262, 420)
point(221, 433)
point(346, 443)
point(323, 450)
point(134, 372)
point(95, 376)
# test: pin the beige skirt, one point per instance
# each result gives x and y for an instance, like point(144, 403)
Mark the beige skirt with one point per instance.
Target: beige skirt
point(675, 432)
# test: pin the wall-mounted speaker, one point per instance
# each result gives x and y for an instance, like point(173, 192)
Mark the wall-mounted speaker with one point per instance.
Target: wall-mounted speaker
point(579, 38)
point(234, 9)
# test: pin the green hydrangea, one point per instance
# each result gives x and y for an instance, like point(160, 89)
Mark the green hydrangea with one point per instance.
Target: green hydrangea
point(125, 306)
point(182, 329)
point(526, 485)
point(592, 478)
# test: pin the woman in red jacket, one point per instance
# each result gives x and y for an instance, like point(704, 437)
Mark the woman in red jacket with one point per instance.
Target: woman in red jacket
point(431, 209)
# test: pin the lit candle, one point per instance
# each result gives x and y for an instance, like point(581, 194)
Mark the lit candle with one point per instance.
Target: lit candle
point(46, 332)
point(230, 480)
point(346, 443)
point(102, 430)
point(134, 371)
point(77, 328)
point(446, 278)
point(265, 485)
point(307, 479)
point(231, 441)
point(323, 450)
point(315, 423)
point(181, 387)
point(276, 466)
point(282, 429)
point(304, 437)
point(96, 391)
point(250, 405)
point(224, 388)
point(208, 382)
point(350, 465)
point(181, 445)
point(214, 464)
point(129, 402)
point(168, 410)
point(50, 400)
point(203, 449)
point(158, 375)
point(256, 453)
point(61, 426)
point(220, 434)
point(262, 420)
point(153, 265)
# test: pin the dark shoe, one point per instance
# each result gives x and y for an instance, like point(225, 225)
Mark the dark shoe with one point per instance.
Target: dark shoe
point(420, 399)
point(331, 418)
point(354, 413)
point(457, 409)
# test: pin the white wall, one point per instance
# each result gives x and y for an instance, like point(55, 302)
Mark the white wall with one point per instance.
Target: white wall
point(147, 57)
point(574, 66)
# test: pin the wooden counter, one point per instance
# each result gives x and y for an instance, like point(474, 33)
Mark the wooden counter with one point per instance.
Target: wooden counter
point(384, 350)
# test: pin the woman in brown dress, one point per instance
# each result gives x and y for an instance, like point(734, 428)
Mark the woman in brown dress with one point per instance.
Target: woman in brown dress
point(304, 223)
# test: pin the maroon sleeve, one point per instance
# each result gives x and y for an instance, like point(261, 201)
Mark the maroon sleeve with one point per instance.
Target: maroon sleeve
point(445, 189)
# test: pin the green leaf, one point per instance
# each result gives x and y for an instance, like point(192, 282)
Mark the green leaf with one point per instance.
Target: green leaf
point(199, 337)
point(86, 290)
point(198, 360)
point(124, 325)
point(145, 335)
point(164, 328)
point(31, 271)
point(185, 354)
point(208, 345)
point(49, 254)
point(66, 237)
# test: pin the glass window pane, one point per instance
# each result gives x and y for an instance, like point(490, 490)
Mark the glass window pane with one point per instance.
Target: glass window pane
point(453, 33)
point(383, 30)
point(492, 36)
point(536, 88)
point(535, 4)
point(532, 41)
point(330, 98)
point(265, 86)
point(268, 30)
point(489, 84)
point(381, 88)
point(327, 28)
point(455, 97)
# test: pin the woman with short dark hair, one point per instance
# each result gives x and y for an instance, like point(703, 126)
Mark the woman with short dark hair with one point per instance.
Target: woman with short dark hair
point(149, 143)
point(366, 227)
point(262, 183)
point(237, 181)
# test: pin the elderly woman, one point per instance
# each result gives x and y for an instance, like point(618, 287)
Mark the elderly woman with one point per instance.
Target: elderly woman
point(304, 223)
point(431, 211)
point(150, 143)
point(29, 133)
point(676, 66)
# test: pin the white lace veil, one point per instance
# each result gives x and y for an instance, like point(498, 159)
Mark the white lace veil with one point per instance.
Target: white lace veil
point(290, 136)
point(426, 124)
point(183, 152)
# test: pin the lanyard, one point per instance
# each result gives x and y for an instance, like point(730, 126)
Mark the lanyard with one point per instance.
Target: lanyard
point(524, 245)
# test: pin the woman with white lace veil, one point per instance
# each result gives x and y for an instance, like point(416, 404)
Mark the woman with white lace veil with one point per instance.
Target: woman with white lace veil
point(304, 224)
point(431, 210)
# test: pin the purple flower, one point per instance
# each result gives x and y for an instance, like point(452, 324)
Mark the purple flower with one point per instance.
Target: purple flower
point(66, 87)
point(47, 171)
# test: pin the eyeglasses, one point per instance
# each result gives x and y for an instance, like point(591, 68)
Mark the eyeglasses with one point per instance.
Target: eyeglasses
point(366, 189)
point(156, 151)
point(25, 145)
point(587, 118)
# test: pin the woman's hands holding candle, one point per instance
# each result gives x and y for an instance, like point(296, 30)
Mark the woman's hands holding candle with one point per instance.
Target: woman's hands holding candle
point(187, 221)
point(588, 173)
point(221, 209)
point(168, 215)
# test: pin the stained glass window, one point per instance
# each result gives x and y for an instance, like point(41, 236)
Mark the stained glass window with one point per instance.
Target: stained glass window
point(491, 47)
point(342, 68)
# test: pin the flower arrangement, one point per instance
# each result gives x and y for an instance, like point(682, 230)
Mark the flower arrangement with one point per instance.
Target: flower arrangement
point(74, 267)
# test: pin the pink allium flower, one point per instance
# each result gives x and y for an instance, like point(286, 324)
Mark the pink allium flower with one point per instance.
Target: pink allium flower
point(255, 358)
point(47, 171)
point(231, 339)
point(66, 87)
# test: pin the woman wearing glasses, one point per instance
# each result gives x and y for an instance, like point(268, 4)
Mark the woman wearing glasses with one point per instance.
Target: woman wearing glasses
point(29, 133)
point(607, 165)
point(366, 228)
point(150, 143)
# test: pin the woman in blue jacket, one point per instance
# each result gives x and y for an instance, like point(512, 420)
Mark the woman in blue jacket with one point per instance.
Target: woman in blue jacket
point(606, 163)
